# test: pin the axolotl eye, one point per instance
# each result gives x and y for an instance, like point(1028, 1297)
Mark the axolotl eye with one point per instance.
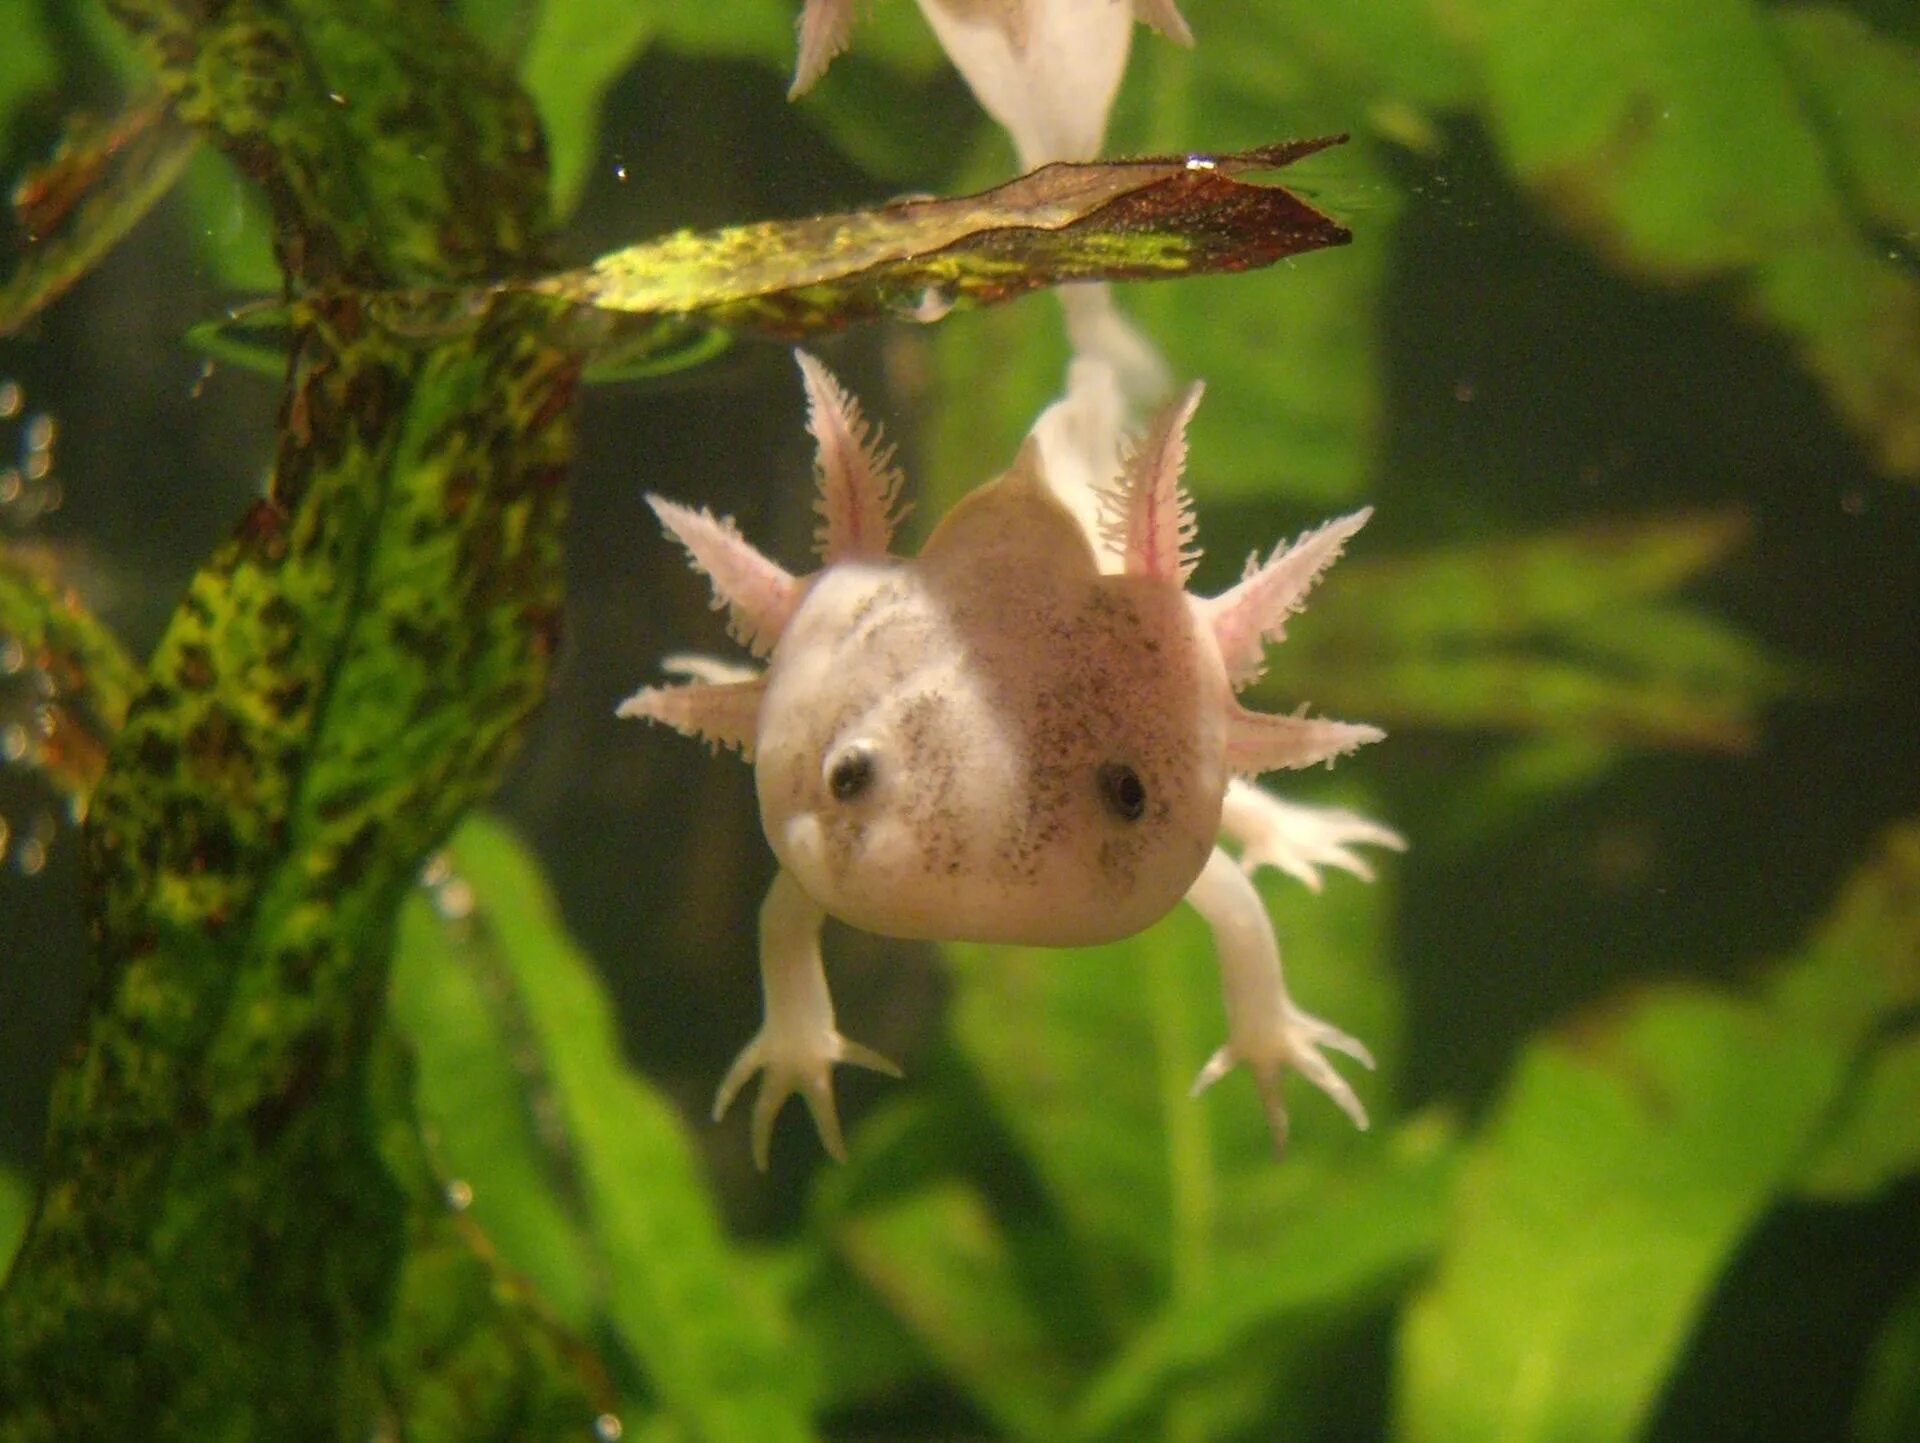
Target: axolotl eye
point(1123, 791)
point(850, 771)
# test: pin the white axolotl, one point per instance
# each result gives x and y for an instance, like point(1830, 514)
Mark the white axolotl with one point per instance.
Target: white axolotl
point(997, 741)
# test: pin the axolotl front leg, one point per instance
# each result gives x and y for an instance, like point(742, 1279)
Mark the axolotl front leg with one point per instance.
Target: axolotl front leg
point(797, 1044)
point(1266, 1030)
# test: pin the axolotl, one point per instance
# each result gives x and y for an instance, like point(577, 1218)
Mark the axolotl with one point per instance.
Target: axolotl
point(1004, 739)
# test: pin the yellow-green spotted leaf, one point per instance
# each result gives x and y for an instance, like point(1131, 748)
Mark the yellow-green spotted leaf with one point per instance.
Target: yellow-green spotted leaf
point(1137, 219)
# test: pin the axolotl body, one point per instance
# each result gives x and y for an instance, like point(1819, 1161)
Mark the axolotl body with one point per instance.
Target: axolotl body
point(1003, 739)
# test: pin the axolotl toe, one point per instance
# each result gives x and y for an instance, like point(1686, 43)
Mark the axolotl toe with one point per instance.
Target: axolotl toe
point(1024, 734)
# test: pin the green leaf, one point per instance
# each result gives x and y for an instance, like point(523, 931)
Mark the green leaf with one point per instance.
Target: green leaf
point(89, 678)
point(941, 1262)
point(611, 1165)
point(16, 1205)
point(1864, 90)
point(1876, 1140)
point(1671, 137)
point(232, 1167)
point(485, 1101)
point(231, 229)
point(1569, 634)
point(1889, 1407)
point(27, 68)
point(1133, 219)
point(577, 50)
point(82, 202)
point(1364, 1232)
point(1627, 1160)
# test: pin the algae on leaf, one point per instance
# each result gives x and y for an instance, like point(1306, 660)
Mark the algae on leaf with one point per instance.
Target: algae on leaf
point(231, 1171)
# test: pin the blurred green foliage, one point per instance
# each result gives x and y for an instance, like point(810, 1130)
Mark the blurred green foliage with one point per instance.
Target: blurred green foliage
point(444, 1203)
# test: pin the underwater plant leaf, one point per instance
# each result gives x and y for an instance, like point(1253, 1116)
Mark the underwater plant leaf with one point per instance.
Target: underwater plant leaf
point(232, 1172)
point(232, 232)
point(1366, 1233)
point(1876, 1139)
point(16, 1202)
point(391, 148)
point(482, 1097)
point(1088, 1057)
point(1573, 633)
point(1673, 139)
point(577, 50)
point(940, 1260)
point(1864, 89)
point(101, 183)
point(1123, 220)
point(27, 67)
point(90, 679)
point(644, 1239)
point(1888, 1409)
point(1630, 1155)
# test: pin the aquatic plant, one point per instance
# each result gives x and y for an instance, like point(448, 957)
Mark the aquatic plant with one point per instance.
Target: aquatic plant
point(352, 1140)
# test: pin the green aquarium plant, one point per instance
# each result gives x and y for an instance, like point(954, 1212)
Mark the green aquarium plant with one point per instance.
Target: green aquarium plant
point(381, 1114)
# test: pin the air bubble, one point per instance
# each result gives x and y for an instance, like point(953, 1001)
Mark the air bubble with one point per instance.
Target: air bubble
point(930, 305)
point(11, 399)
point(453, 900)
point(13, 655)
point(39, 432)
point(459, 1195)
point(608, 1428)
point(31, 859)
point(13, 742)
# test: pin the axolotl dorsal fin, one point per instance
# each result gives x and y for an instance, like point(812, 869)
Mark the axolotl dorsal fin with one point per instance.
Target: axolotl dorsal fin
point(1016, 520)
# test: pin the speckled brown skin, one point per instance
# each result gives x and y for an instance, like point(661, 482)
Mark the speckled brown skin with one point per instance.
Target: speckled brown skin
point(991, 680)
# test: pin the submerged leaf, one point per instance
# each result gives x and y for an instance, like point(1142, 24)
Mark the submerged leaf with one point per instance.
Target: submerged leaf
point(1672, 138)
point(90, 680)
point(80, 204)
point(1569, 634)
point(1889, 1406)
point(1364, 1233)
point(16, 1203)
point(941, 1262)
point(580, 1171)
point(1627, 1161)
point(1876, 1140)
point(231, 1171)
point(1121, 220)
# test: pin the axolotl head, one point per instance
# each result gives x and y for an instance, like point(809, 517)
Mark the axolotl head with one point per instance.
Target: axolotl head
point(993, 741)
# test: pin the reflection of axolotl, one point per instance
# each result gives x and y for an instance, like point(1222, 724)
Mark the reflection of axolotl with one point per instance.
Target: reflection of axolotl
point(995, 741)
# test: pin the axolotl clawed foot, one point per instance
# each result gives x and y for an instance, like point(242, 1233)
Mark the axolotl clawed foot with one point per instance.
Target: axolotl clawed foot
point(1266, 1029)
point(797, 1044)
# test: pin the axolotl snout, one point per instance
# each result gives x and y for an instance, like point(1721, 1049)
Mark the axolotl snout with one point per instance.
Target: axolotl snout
point(1005, 740)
